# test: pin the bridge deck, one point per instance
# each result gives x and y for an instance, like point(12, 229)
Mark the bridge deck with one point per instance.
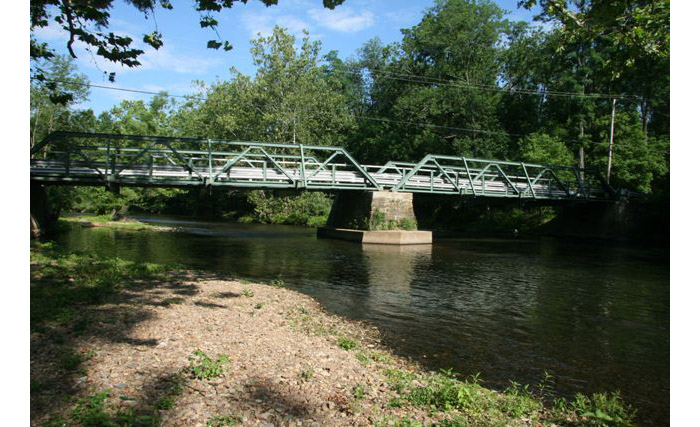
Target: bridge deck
point(119, 160)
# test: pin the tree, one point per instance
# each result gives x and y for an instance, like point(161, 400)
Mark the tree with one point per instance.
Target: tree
point(88, 21)
point(296, 100)
point(544, 149)
point(636, 35)
point(49, 109)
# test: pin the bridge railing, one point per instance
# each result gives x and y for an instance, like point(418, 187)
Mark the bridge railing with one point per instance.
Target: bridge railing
point(493, 178)
point(96, 159)
point(164, 161)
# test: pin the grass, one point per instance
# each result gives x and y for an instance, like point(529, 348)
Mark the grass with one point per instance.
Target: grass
point(346, 343)
point(308, 373)
point(358, 392)
point(248, 293)
point(224, 420)
point(363, 358)
point(478, 405)
point(204, 368)
point(90, 411)
point(62, 285)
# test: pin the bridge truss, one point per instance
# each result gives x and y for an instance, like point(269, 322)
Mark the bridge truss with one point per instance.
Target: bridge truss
point(128, 160)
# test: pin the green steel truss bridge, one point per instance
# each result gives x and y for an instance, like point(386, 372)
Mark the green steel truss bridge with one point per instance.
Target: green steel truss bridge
point(112, 160)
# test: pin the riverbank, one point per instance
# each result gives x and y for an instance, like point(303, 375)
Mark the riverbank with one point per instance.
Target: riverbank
point(118, 342)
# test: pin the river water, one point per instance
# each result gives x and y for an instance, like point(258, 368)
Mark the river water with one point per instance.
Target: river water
point(595, 315)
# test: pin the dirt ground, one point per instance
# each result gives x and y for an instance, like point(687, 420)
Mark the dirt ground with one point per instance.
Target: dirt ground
point(286, 365)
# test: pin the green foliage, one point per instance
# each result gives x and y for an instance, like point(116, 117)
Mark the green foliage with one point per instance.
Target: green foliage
point(310, 208)
point(70, 361)
point(308, 373)
point(224, 420)
point(477, 405)
point(358, 392)
point(248, 293)
point(432, 92)
point(63, 283)
point(602, 409)
point(90, 411)
point(346, 343)
point(204, 368)
point(544, 149)
point(362, 358)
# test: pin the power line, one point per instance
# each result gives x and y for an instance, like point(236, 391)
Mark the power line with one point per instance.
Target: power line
point(69, 82)
point(381, 119)
point(413, 78)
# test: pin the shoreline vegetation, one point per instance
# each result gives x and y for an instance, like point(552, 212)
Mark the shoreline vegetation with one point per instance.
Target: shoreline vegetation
point(116, 342)
point(125, 223)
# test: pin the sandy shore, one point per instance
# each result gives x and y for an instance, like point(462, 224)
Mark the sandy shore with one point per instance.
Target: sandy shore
point(285, 367)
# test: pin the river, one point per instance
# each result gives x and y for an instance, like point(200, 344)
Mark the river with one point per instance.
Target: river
point(593, 314)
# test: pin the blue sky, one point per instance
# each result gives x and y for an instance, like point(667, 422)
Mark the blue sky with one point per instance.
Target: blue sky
point(185, 58)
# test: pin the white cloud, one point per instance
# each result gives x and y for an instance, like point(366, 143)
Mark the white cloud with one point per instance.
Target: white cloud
point(167, 58)
point(263, 23)
point(343, 20)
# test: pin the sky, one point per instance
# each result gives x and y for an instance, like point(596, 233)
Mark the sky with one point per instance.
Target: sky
point(184, 57)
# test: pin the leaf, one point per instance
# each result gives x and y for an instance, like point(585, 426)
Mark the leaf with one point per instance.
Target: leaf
point(213, 44)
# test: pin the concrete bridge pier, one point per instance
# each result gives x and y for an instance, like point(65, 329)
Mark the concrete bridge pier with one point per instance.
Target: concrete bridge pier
point(375, 217)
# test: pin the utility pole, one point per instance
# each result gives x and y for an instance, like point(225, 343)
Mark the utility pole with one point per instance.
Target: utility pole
point(612, 136)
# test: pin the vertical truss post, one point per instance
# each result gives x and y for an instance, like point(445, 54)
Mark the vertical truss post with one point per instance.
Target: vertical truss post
point(302, 168)
point(211, 175)
point(264, 168)
point(431, 180)
point(109, 146)
point(529, 183)
point(150, 165)
point(333, 173)
point(469, 175)
point(67, 161)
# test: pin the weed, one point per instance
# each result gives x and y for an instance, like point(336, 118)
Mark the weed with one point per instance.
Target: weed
point(362, 358)
point(71, 361)
point(408, 224)
point(204, 368)
point(165, 402)
point(258, 306)
point(379, 357)
point(603, 409)
point(307, 373)
point(395, 403)
point(358, 392)
point(278, 282)
point(346, 343)
point(398, 380)
point(90, 411)
point(224, 420)
point(129, 418)
point(248, 293)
